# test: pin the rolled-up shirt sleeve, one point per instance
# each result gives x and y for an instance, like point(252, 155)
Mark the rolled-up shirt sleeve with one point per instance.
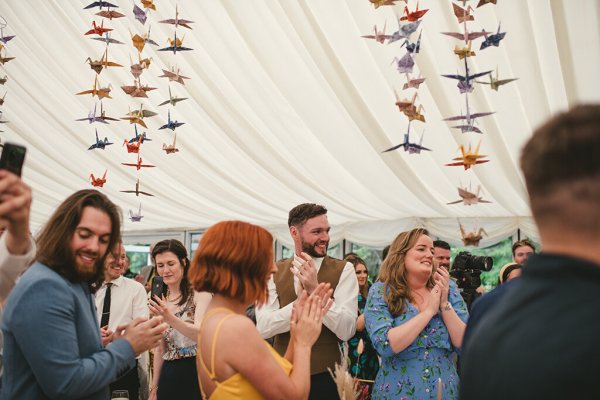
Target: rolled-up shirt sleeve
point(270, 319)
point(341, 317)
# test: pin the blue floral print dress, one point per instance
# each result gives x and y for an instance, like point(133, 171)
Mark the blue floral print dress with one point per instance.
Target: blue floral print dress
point(413, 373)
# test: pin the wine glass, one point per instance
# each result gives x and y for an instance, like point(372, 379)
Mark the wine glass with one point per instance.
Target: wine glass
point(119, 395)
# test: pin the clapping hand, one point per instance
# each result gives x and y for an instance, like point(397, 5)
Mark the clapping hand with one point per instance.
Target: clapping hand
point(442, 278)
point(307, 315)
point(305, 270)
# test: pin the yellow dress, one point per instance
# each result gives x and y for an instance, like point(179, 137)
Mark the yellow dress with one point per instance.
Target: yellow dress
point(236, 386)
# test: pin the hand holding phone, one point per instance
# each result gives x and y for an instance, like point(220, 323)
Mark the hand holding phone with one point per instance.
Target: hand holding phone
point(158, 287)
point(12, 158)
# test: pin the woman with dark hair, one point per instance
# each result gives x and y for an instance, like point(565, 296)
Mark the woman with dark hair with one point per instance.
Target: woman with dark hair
point(415, 320)
point(235, 261)
point(364, 363)
point(175, 375)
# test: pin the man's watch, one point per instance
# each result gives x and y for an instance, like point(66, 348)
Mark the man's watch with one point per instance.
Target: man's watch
point(447, 307)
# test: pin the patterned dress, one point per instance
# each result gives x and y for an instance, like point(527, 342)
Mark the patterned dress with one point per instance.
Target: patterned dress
point(414, 372)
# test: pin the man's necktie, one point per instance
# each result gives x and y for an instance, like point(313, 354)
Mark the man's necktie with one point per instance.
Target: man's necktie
point(106, 307)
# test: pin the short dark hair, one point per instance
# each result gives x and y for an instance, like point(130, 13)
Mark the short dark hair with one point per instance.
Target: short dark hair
point(521, 243)
point(441, 244)
point(303, 212)
point(54, 240)
point(562, 172)
point(235, 259)
point(176, 247)
point(385, 252)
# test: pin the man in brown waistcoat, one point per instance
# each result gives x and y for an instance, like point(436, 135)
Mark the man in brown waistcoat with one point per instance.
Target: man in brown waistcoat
point(309, 266)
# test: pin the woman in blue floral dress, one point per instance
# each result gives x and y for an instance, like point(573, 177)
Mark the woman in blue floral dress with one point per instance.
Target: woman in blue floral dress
point(415, 319)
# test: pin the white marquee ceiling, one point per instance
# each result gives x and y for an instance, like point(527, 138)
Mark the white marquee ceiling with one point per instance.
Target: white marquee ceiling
point(289, 104)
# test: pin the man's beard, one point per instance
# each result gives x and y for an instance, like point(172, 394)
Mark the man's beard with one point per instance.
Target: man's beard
point(92, 275)
point(310, 249)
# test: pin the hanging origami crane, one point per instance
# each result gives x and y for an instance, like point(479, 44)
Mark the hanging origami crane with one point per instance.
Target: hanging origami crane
point(136, 217)
point(410, 148)
point(139, 14)
point(148, 4)
point(404, 64)
point(493, 40)
point(404, 31)
point(171, 148)
point(413, 47)
point(137, 89)
point(173, 100)
point(100, 181)
point(98, 30)
point(464, 52)
point(107, 39)
point(379, 3)
point(469, 119)
point(462, 14)
point(177, 21)
point(466, 36)
point(3, 80)
point(378, 36)
point(471, 238)
point(92, 117)
point(175, 45)
point(413, 82)
point(465, 84)
point(133, 147)
point(484, 2)
point(468, 157)
point(100, 92)
point(110, 14)
point(495, 83)
point(98, 65)
point(137, 190)
point(139, 164)
point(174, 75)
point(172, 125)
point(138, 136)
point(100, 144)
point(413, 16)
point(100, 4)
point(469, 198)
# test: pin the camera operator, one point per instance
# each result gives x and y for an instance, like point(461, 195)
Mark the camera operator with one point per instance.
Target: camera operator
point(466, 269)
point(441, 254)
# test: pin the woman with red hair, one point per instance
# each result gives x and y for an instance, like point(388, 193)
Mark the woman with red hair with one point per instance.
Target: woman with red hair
point(234, 261)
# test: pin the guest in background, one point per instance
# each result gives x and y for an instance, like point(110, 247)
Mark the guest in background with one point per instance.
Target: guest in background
point(234, 261)
point(416, 321)
point(17, 249)
point(175, 375)
point(521, 250)
point(441, 254)
point(509, 272)
point(365, 365)
point(120, 300)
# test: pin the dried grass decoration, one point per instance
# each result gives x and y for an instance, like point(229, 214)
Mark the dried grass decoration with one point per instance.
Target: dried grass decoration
point(345, 383)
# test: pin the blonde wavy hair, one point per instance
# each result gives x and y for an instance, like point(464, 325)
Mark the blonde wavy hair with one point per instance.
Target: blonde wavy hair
point(393, 274)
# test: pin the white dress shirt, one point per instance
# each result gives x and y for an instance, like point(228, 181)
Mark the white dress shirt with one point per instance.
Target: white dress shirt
point(128, 301)
point(340, 319)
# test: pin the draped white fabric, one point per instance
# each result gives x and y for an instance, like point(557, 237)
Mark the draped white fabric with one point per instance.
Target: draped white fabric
point(288, 104)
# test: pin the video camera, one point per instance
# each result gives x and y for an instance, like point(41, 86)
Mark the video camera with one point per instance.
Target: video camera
point(466, 269)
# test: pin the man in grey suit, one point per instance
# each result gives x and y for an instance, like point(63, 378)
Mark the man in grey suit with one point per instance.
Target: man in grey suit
point(52, 346)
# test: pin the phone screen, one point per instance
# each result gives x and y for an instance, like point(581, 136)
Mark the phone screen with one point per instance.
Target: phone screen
point(157, 287)
point(13, 156)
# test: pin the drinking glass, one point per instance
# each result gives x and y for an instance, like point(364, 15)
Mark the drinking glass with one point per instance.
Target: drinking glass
point(120, 395)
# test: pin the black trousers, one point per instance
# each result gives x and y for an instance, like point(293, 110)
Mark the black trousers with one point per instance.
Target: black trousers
point(322, 387)
point(179, 380)
point(130, 382)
